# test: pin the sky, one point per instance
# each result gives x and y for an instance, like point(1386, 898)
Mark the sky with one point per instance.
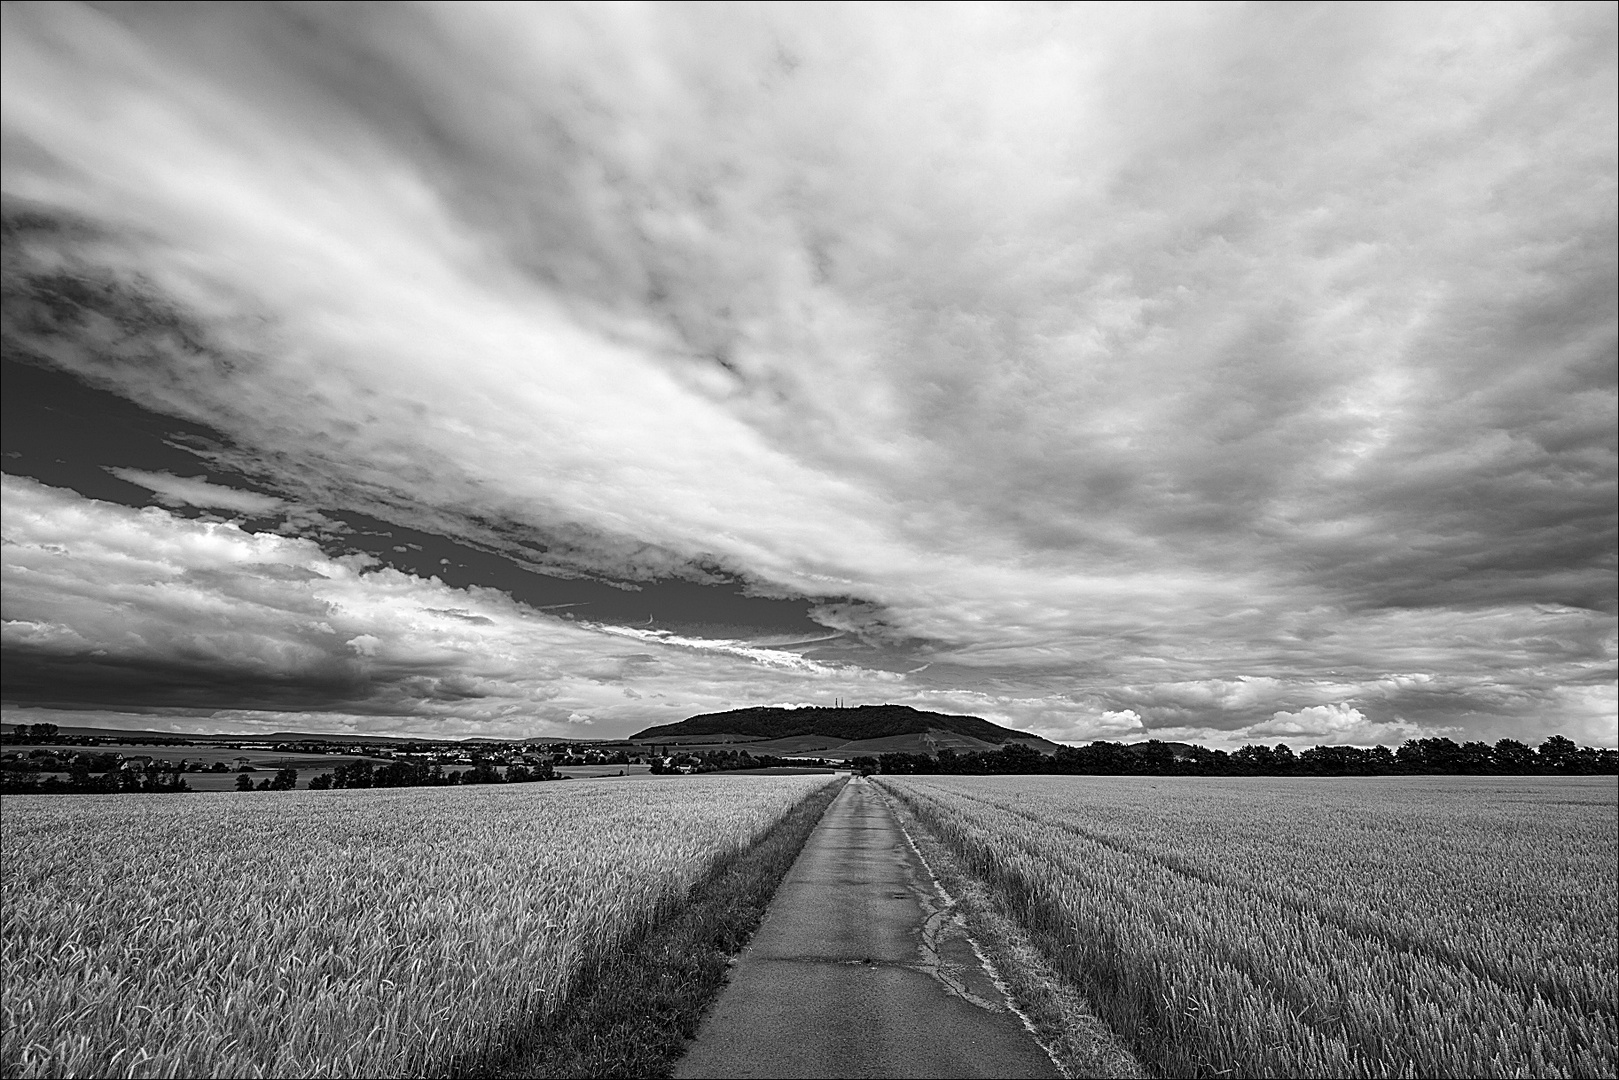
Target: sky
point(1225, 373)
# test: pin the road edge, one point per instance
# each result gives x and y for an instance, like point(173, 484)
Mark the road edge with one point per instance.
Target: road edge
point(636, 1006)
point(1059, 1016)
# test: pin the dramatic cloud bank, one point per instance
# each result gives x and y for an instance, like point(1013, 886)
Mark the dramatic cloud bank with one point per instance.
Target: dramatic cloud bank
point(203, 618)
point(1221, 372)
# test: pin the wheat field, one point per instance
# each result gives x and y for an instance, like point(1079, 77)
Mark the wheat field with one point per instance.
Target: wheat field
point(1390, 927)
point(335, 933)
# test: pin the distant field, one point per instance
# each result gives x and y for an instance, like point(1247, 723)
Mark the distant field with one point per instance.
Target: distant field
point(308, 765)
point(1359, 927)
point(378, 932)
point(785, 770)
point(590, 772)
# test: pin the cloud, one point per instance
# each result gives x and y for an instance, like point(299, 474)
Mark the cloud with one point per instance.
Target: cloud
point(1336, 723)
point(1201, 364)
point(197, 491)
point(148, 612)
point(760, 654)
point(144, 610)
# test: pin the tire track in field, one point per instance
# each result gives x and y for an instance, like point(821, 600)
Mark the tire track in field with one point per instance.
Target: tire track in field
point(1551, 993)
point(1050, 912)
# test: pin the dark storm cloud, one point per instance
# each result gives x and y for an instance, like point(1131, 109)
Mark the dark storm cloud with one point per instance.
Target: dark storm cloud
point(1228, 369)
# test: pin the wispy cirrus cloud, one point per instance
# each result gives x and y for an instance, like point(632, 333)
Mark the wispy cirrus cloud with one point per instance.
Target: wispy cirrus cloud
point(174, 490)
point(1201, 366)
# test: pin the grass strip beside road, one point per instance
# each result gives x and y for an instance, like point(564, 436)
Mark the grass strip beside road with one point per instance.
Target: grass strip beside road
point(1081, 1044)
point(635, 1006)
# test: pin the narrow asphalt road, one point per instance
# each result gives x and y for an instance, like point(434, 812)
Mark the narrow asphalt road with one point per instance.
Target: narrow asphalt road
point(861, 970)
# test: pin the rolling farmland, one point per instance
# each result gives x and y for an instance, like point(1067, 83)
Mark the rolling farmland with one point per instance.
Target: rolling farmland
point(1356, 928)
point(338, 933)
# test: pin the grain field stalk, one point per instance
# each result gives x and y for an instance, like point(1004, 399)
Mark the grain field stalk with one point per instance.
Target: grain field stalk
point(1268, 930)
point(343, 933)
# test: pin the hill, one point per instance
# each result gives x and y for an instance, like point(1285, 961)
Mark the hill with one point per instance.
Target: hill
point(866, 729)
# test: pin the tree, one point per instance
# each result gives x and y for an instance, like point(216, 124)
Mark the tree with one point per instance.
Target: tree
point(244, 782)
point(901, 764)
point(1558, 753)
point(18, 781)
point(400, 774)
point(1512, 756)
point(1438, 755)
point(27, 733)
point(1474, 757)
point(1332, 760)
point(1252, 759)
point(355, 774)
point(1019, 758)
point(285, 780)
point(1204, 761)
point(1109, 758)
point(1597, 762)
point(322, 782)
point(482, 772)
point(1153, 756)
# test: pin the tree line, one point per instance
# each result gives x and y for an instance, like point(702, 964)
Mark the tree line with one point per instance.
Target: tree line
point(365, 774)
point(104, 774)
point(284, 780)
point(85, 778)
point(1556, 756)
point(710, 761)
point(32, 733)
